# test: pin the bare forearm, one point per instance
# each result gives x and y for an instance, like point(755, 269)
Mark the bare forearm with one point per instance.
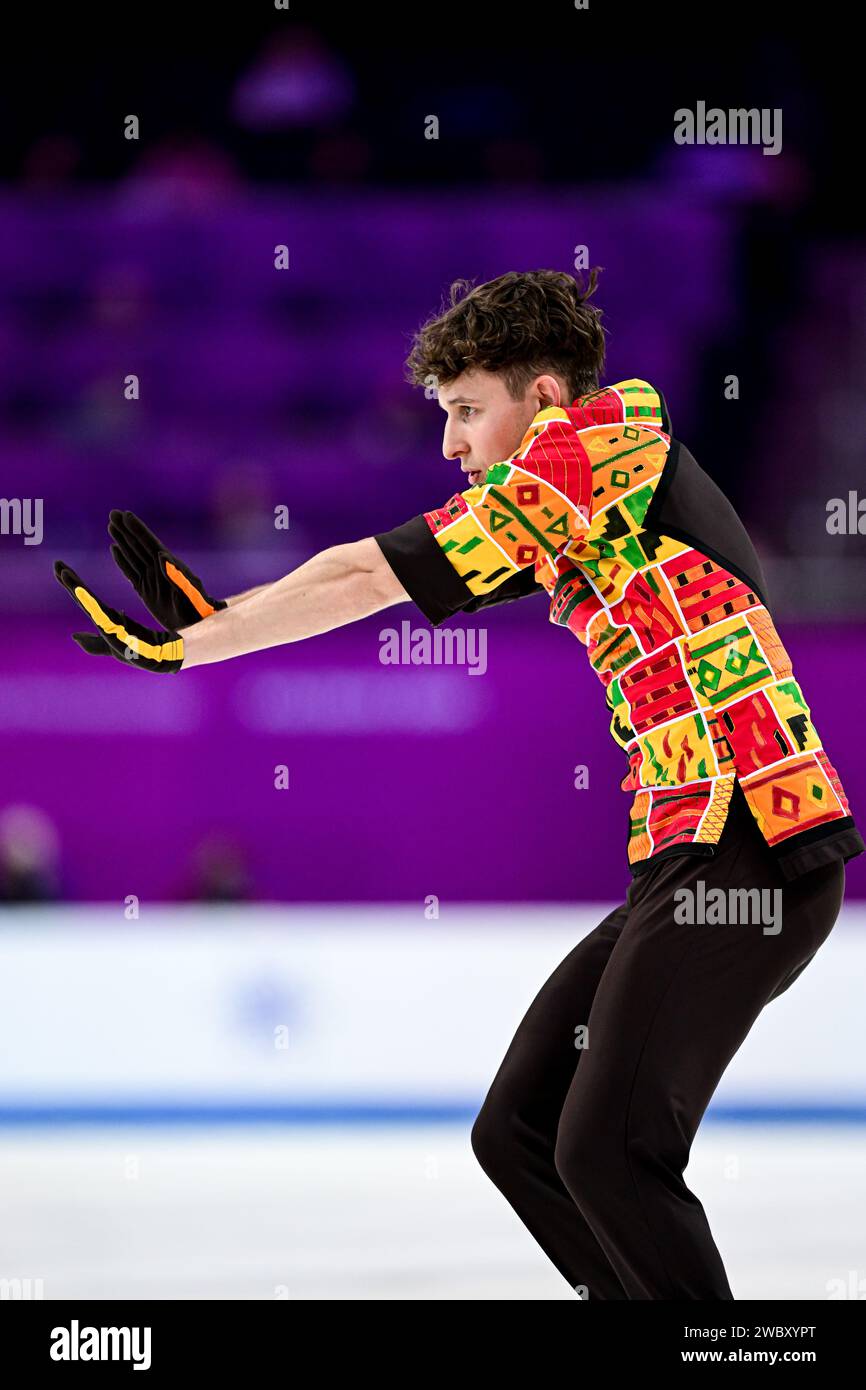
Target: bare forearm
point(335, 587)
point(248, 593)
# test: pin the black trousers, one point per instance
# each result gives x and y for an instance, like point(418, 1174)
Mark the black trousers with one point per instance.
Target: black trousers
point(587, 1126)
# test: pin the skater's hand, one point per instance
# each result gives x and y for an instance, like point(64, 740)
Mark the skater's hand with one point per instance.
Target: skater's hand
point(117, 635)
point(168, 589)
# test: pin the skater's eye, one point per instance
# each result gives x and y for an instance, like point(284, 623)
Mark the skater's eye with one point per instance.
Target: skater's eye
point(467, 407)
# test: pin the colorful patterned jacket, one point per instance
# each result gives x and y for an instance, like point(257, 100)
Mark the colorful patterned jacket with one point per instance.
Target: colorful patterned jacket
point(647, 563)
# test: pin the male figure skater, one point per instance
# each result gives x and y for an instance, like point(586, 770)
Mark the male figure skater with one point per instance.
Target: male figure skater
point(586, 493)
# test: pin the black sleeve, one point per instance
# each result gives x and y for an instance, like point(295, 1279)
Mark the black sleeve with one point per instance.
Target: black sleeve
point(520, 585)
point(431, 582)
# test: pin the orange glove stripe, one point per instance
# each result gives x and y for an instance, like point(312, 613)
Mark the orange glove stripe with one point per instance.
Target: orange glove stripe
point(196, 598)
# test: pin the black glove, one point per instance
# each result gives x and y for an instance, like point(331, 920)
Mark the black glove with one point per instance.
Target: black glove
point(118, 635)
point(168, 589)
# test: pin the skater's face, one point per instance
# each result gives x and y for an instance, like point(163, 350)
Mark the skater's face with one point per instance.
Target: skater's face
point(485, 425)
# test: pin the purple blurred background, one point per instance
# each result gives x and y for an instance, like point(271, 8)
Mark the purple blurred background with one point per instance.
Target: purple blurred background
point(263, 388)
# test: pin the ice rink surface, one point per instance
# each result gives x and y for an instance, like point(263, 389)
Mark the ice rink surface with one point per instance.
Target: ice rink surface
point(276, 1104)
point(385, 1212)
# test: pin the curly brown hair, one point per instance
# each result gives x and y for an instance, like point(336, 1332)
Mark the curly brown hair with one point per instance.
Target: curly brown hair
point(521, 324)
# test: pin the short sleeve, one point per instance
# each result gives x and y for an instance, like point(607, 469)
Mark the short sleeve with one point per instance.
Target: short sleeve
point(423, 570)
point(432, 584)
point(498, 532)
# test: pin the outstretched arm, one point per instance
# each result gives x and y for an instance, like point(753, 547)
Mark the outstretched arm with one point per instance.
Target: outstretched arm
point(337, 586)
point(476, 550)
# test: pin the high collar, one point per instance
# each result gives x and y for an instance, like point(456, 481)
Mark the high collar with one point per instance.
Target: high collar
point(632, 401)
